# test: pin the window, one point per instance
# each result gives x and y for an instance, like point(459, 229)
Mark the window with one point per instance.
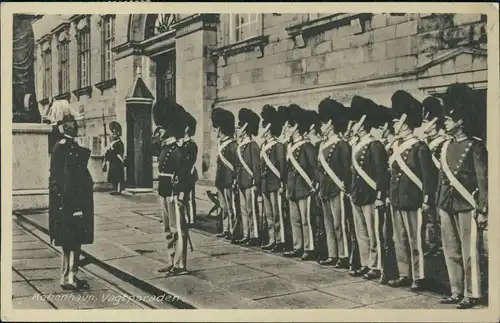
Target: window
point(47, 73)
point(159, 24)
point(98, 147)
point(63, 74)
point(83, 58)
point(165, 75)
point(245, 25)
point(108, 42)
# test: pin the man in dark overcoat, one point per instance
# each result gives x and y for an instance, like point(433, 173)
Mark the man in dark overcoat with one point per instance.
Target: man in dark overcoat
point(71, 204)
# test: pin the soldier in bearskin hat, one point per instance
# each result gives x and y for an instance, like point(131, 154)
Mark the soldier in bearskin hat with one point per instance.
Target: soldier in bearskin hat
point(302, 182)
point(114, 156)
point(248, 175)
point(368, 187)
point(412, 188)
point(173, 182)
point(463, 196)
point(334, 163)
point(223, 122)
point(71, 204)
point(273, 173)
point(190, 152)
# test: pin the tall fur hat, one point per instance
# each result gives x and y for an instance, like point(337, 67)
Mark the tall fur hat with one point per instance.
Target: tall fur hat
point(365, 107)
point(272, 116)
point(433, 109)
point(252, 120)
point(404, 103)
point(191, 124)
point(460, 102)
point(330, 109)
point(115, 128)
point(313, 119)
point(171, 116)
point(384, 115)
point(224, 120)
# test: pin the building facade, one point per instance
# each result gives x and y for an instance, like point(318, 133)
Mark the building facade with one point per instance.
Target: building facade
point(247, 60)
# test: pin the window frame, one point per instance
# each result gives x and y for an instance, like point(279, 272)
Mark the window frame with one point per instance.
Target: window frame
point(63, 66)
point(234, 26)
point(83, 53)
point(108, 42)
point(47, 72)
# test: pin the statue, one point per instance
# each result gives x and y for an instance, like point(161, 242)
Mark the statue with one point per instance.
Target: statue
point(24, 103)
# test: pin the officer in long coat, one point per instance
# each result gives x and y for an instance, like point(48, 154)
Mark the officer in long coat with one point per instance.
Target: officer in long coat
point(463, 197)
point(190, 152)
point(368, 188)
point(334, 161)
point(248, 175)
point(412, 189)
point(302, 183)
point(223, 122)
point(114, 155)
point(173, 182)
point(273, 173)
point(71, 204)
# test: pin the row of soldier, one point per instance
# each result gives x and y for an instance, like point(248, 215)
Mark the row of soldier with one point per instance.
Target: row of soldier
point(358, 187)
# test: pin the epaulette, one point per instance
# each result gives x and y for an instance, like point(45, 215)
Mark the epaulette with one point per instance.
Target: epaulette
point(62, 141)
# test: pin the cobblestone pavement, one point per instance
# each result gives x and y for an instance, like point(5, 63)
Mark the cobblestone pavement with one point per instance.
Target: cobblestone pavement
point(129, 240)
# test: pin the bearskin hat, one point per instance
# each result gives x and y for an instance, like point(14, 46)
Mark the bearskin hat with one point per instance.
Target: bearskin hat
point(433, 109)
point(460, 102)
point(273, 117)
point(224, 120)
point(365, 107)
point(115, 128)
point(171, 116)
point(313, 119)
point(404, 103)
point(252, 119)
point(191, 124)
point(330, 109)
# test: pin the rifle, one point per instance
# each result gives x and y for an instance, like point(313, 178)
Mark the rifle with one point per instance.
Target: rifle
point(104, 165)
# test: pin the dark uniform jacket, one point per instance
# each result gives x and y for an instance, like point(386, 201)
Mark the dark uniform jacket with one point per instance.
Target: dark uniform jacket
point(225, 176)
point(306, 156)
point(114, 155)
point(250, 152)
point(338, 157)
point(404, 194)
point(468, 160)
point(276, 154)
point(70, 191)
point(372, 158)
point(171, 161)
point(190, 152)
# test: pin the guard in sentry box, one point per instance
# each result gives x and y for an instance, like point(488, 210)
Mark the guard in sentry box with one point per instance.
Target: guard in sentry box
point(463, 195)
point(248, 175)
point(412, 189)
point(273, 174)
point(302, 182)
point(172, 183)
point(225, 177)
point(71, 203)
point(368, 188)
point(190, 153)
point(334, 160)
point(115, 157)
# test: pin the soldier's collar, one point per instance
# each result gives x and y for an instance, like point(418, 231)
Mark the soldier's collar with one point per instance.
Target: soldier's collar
point(170, 140)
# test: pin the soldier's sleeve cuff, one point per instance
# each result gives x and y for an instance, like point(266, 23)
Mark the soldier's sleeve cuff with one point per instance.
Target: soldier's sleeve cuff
point(426, 199)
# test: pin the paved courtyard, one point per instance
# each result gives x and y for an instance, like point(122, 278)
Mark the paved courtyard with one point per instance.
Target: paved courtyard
point(129, 240)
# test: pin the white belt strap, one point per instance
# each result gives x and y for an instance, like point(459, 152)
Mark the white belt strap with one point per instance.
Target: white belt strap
point(453, 180)
point(268, 161)
point(296, 164)
point(330, 171)
point(242, 161)
point(404, 167)
point(358, 168)
point(221, 155)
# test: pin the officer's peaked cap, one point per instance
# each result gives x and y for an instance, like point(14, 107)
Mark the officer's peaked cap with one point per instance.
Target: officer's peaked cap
point(404, 103)
point(252, 120)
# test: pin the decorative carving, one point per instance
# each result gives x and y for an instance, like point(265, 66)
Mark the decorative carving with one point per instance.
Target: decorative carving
point(252, 44)
point(63, 96)
point(159, 24)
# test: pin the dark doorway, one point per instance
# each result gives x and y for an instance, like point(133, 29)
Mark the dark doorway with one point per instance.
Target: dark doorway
point(130, 150)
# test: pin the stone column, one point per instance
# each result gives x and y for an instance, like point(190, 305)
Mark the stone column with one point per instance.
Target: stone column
point(196, 75)
point(30, 166)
